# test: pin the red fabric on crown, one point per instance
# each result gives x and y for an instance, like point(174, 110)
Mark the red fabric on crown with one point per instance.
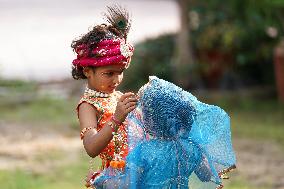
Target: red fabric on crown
point(107, 52)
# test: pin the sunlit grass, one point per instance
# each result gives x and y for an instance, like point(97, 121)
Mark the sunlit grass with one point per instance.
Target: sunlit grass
point(68, 176)
point(72, 177)
point(240, 183)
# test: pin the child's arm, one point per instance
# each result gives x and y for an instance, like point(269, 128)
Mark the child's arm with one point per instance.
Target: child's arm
point(94, 142)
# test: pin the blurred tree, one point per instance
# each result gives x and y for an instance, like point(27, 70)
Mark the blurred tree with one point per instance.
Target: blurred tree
point(151, 57)
point(236, 38)
point(183, 62)
point(232, 42)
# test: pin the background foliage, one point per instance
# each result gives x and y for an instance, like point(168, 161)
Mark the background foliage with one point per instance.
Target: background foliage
point(231, 40)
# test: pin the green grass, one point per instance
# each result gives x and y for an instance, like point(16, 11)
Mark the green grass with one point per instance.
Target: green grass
point(254, 118)
point(21, 103)
point(72, 177)
point(48, 111)
point(68, 176)
point(18, 85)
point(239, 183)
point(257, 119)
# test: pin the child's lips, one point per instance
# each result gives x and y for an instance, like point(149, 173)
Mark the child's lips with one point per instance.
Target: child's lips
point(113, 87)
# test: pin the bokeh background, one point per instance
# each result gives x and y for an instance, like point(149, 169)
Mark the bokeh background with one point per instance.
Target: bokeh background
point(229, 53)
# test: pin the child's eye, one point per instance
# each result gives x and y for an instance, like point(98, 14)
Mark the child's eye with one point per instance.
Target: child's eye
point(108, 73)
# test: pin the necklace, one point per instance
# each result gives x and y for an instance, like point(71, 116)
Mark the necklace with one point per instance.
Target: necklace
point(94, 93)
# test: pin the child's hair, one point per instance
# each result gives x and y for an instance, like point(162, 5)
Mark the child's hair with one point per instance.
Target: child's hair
point(118, 28)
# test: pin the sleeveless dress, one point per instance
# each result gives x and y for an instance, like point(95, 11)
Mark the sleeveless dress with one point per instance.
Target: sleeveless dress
point(106, 107)
point(174, 142)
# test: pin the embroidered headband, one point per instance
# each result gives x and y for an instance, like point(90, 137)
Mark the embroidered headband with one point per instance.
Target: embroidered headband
point(107, 52)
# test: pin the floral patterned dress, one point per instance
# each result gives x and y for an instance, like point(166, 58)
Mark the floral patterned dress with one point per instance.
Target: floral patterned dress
point(106, 107)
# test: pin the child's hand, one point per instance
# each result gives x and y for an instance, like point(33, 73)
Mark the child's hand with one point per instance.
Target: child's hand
point(125, 104)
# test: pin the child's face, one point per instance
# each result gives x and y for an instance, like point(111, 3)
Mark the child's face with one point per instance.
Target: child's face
point(106, 78)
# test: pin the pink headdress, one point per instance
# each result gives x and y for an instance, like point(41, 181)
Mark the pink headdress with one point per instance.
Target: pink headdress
point(107, 52)
point(109, 49)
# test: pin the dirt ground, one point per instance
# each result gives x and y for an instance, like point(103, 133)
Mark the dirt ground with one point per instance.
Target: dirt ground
point(41, 148)
point(260, 162)
point(37, 149)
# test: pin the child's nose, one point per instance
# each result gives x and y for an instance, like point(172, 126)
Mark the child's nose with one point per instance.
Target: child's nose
point(117, 79)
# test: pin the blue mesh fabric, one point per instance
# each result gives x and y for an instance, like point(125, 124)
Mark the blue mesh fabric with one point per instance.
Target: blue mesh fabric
point(175, 141)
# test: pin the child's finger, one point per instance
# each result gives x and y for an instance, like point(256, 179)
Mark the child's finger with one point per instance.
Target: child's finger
point(130, 104)
point(130, 109)
point(130, 99)
point(126, 95)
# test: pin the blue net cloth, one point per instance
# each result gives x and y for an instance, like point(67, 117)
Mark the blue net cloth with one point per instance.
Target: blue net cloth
point(175, 141)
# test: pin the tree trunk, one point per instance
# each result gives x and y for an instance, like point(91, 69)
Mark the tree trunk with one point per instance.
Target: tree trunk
point(279, 69)
point(184, 61)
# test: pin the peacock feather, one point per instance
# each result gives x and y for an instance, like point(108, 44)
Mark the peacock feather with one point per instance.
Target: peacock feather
point(119, 18)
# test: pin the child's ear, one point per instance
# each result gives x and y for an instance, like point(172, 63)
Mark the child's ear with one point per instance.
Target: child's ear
point(87, 71)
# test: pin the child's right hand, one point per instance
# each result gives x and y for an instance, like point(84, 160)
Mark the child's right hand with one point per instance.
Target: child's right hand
point(125, 104)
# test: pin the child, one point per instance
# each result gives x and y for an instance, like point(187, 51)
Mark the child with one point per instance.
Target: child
point(102, 57)
point(175, 141)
